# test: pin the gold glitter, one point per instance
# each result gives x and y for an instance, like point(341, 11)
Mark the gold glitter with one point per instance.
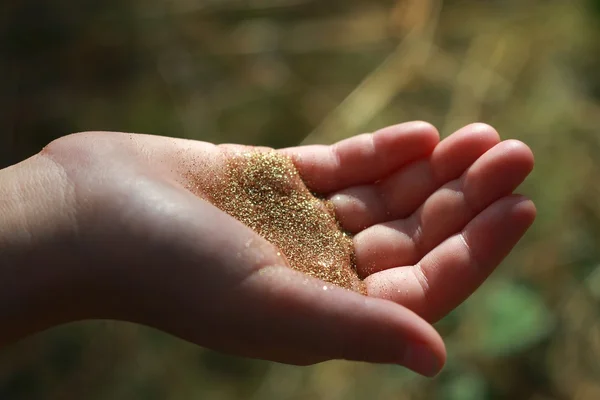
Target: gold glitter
point(264, 190)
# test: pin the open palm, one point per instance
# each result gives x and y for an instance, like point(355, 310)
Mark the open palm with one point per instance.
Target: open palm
point(430, 222)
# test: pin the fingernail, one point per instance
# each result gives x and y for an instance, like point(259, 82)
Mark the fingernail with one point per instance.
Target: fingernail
point(420, 359)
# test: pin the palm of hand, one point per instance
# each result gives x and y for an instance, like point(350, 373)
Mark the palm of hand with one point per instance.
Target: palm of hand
point(430, 222)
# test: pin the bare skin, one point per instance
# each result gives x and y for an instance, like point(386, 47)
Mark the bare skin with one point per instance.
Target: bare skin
point(101, 225)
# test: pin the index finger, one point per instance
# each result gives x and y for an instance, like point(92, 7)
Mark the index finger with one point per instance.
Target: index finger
point(364, 158)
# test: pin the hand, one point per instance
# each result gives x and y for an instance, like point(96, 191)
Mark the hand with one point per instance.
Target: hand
point(431, 220)
point(142, 248)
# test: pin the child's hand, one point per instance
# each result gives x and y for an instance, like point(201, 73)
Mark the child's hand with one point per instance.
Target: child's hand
point(117, 235)
point(431, 220)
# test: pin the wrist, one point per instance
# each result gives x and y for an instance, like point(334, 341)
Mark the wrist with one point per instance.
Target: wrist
point(38, 256)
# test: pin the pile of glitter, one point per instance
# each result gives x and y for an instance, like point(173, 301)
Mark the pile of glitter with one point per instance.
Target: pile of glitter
point(264, 191)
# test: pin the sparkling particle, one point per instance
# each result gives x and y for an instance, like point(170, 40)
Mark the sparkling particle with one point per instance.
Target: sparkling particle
point(264, 190)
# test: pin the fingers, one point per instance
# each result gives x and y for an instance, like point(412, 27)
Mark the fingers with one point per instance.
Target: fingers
point(303, 320)
point(400, 194)
point(363, 158)
point(453, 270)
point(403, 242)
point(496, 174)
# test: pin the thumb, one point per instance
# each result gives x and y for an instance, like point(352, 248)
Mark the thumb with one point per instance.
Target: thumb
point(304, 320)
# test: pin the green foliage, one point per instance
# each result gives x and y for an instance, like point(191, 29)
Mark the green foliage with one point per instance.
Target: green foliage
point(464, 386)
point(511, 317)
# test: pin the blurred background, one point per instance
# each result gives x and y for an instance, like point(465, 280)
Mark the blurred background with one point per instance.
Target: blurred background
point(285, 72)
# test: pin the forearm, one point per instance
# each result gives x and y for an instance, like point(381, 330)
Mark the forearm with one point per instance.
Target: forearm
point(37, 287)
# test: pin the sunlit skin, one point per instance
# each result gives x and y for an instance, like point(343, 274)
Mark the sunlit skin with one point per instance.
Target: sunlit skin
point(101, 225)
